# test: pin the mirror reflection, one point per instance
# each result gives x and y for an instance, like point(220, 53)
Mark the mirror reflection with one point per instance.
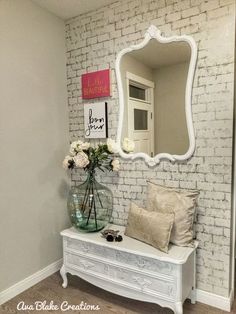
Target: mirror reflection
point(154, 83)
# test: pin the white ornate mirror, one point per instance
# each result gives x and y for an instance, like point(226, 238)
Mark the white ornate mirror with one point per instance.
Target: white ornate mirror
point(155, 81)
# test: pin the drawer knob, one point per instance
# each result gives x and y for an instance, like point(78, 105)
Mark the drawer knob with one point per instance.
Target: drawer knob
point(86, 264)
point(141, 264)
point(84, 248)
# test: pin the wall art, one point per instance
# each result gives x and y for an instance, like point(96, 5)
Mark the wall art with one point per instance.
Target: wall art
point(96, 84)
point(95, 120)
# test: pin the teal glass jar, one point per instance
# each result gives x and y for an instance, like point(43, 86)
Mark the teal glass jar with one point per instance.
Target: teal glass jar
point(90, 205)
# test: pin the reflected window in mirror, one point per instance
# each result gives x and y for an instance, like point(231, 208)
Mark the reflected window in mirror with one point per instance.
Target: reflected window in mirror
point(137, 92)
point(140, 120)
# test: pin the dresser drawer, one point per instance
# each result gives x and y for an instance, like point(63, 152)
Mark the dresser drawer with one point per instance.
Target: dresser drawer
point(146, 263)
point(92, 249)
point(133, 260)
point(135, 279)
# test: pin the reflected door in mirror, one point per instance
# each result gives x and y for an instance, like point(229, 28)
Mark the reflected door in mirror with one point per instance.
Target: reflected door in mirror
point(140, 116)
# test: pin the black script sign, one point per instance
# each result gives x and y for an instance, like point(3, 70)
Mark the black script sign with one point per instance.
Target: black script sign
point(95, 120)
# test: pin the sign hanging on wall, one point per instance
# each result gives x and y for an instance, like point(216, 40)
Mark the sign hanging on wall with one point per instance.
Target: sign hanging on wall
point(96, 84)
point(95, 120)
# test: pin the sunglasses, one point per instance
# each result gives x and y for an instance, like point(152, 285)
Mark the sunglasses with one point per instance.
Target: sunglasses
point(111, 238)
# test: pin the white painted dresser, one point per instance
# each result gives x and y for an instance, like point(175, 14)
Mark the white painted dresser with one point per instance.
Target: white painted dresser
point(131, 268)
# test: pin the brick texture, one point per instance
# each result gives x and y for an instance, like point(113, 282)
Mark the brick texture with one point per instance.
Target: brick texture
point(93, 42)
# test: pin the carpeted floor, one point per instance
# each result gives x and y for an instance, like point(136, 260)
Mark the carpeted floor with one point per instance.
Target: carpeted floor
point(80, 291)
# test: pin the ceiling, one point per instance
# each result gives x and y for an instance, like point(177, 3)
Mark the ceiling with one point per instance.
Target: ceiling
point(156, 54)
point(67, 9)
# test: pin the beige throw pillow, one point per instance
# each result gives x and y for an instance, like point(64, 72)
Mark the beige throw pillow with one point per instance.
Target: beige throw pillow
point(165, 200)
point(150, 227)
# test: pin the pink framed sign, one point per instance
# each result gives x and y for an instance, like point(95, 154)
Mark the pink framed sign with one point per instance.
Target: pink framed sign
point(96, 84)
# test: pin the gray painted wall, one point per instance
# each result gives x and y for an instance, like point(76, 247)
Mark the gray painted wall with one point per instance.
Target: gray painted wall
point(34, 139)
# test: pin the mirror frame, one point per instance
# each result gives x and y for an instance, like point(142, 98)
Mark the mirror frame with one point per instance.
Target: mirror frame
point(154, 33)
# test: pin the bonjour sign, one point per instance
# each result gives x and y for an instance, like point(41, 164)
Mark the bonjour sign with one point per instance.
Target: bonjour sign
point(96, 84)
point(95, 120)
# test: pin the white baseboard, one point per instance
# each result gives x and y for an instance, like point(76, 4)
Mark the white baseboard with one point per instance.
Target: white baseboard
point(28, 282)
point(223, 303)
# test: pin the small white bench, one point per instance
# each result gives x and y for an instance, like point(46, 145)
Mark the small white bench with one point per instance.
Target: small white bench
point(131, 268)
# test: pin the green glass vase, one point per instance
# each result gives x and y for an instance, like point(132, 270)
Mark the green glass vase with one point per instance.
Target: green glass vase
point(90, 205)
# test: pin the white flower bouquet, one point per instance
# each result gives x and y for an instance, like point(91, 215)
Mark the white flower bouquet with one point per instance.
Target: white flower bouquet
point(83, 155)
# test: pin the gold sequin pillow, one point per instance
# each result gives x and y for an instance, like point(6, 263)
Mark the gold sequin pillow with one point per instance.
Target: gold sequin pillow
point(182, 202)
point(150, 227)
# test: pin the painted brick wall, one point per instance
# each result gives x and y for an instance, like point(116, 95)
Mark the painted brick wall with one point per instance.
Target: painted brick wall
point(93, 41)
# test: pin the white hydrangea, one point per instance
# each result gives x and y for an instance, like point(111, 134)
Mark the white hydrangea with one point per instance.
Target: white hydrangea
point(112, 146)
point(74, 148)
point(81, 160)
point(78, 146)
point(128, 145)
point(115, 164)
point(85, 145)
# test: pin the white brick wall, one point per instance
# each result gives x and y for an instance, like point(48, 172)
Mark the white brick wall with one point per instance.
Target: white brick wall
point(93, 41)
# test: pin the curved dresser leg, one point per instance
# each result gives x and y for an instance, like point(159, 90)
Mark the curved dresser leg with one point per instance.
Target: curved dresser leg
point(64, 276)
point(178, 308)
